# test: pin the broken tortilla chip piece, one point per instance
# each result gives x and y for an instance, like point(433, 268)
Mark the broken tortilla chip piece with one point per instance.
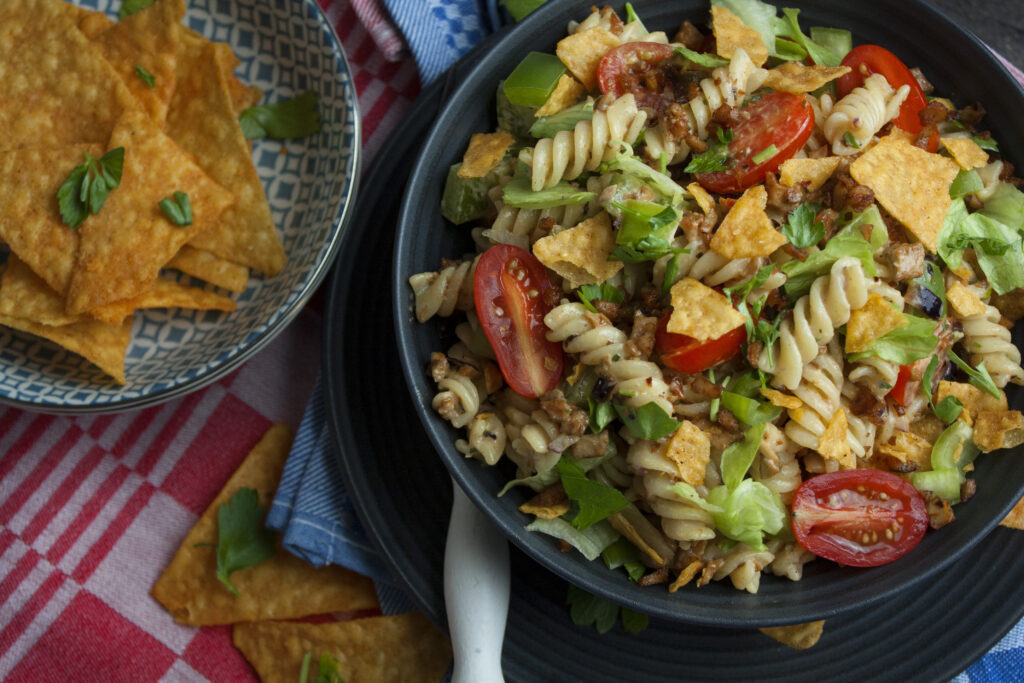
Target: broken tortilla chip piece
point(700, 312)
point(780, 399)
point(580, 253)
point(800, 78)
point(25, 295)
point(812, 172)
point(965, 302)
point(965, 152)
point(834, 445)
point(283, 587)
point(567, 91)
point(1015, 518)
point(689, 450)
point(900, 174)
point(796, 636)
point(485, 151)
point(103, 345)
point(165, 293)
point(911, 450)
point(974, 400)
point(746, 231)
point(876, 318)
point(732, 34)
point(582, 52)
point(996, 429)
point(211, 268)
point(405, 647)
point(703, 198)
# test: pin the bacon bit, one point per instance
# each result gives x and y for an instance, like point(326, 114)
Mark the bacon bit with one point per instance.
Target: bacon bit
point(546, 224)
point(940, 512)
point(654, 578)
point(689, 36)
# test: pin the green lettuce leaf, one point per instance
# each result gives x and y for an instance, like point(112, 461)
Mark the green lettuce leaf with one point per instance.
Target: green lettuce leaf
point(549, 126)
point(998, 248)
point(517, 193)
point(788, 26)
point(749, 511)
point(596, 500)
point(590, 541)
point(903, 345)
point(738, 456)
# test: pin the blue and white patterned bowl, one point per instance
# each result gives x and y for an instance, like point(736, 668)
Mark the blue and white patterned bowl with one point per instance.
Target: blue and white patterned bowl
point(287, 47)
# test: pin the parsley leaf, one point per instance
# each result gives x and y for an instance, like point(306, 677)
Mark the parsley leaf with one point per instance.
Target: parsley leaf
point(146, 77)
point(948, 408)
point(715, 157)
point(978, 377)
point(987, 144)
point(295, 118)
point(601, 415)
point(87, 186)
point(602, 292)
point(649, 421)
point(130, 7)
point(586, 609)
point(624, 554)
point(177, 209)
point(242, 540)
point(800, 227)
point(596, 500)
point(850, 141)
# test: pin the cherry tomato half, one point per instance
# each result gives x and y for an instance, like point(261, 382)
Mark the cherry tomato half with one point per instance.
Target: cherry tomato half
point(781, 119)
point(635, 68)
point(865, 60)
point(689, 355)
point(861, 518)
point(508, 290)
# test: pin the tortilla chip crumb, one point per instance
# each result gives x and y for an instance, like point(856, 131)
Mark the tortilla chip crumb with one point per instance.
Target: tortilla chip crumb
point(965, 302)
point(567, 91)
point(974, 400)
point(732, 34)
point(813, 172)
point(690, 450)
point(485, 151)
point(797, 636)
point(703, 198)
point(700, 312)
point(780, 399)
point(1015, 519)
point(995, 429)
point(686, 576)
point(966, 152)
point(580, 253)
point(833, 443)
point(799, 78)
point(871, 321)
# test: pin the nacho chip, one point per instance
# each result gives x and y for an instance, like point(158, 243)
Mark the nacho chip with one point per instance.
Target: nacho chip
point(746, 231)
point(900, 174)
point(966, 152)
point(700, 312)
point(25, 295)
point(201, 120)
point(703, 198)
point(1010, 305)
point(1015, 518)
point(732, 34)
point(566, 93)
point(690, 450)
point(549, 503)
point(974, 399)
point(833, 443)
point(165, 293)
point(621, 523)
point(582, 52)
point(965, 302)
point(777, 398)
point(483, 154)
point(812, 172)
point(800, 78)
point(208, 267)
point(103, 345)
point(90, 22)
point(995, 429)
point(124, 246)
point(686, 576)
point(580, 253)
point(871, 321)
point(283, 587)
point(797, 636)
point(405, 647)
point(911, 450)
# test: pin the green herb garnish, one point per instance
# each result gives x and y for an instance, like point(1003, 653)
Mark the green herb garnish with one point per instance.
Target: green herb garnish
point(295, 118)
point(800, 227)
point(596, 500)
point(177, 208)
point(88, 185)
point(715, 157)
point(146, 77)
point(242, 540)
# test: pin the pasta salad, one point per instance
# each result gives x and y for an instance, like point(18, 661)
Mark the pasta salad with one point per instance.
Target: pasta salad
point(741, 298)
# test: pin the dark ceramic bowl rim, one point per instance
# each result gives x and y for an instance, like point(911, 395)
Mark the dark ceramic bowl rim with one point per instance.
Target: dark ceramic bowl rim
point(914, 31)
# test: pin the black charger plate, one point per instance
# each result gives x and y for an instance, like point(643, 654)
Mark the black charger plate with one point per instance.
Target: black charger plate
point(402, 493)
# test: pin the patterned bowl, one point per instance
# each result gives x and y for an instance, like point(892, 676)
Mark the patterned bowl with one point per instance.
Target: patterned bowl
point(286, 48)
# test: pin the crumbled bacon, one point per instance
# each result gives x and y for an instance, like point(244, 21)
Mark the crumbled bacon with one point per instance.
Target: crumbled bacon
point(689, 36)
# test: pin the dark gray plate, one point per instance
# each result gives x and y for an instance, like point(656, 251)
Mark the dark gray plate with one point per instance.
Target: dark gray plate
point(921, 37)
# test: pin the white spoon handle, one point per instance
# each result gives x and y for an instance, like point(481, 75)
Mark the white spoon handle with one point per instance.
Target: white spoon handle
point(476, 592)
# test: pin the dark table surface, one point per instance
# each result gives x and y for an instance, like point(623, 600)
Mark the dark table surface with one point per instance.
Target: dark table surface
point(1000, 23)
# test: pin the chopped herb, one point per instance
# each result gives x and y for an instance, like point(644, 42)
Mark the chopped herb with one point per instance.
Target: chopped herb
point(765, 154)
point(603, 292)
point(596, 500)
point(624, 554)
point(519, 9)
point(88, 185)
point(715, 402)
point(978, 377)
point(671, 271)
point(296, 118)
point(130, 7)
point(601, 415)
point(948, 408)
point(649, 421)
point(646, 249)
point(146, 77)
point(801, 229)
point(850, 141)
point(242, 540)
point(701, 59)
point(177, 209)
point(715, 157)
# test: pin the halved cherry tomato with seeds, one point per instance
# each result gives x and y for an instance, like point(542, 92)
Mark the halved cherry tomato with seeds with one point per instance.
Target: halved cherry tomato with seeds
point(861, 518)
point(690, 355)
point(509, 289)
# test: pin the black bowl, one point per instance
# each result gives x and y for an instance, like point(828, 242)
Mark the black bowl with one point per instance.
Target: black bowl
point(959, 66)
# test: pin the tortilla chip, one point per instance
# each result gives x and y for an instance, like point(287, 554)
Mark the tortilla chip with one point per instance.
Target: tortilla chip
point(624, 526)
point(732, 34)
point(1015, 518)
point(25, 295)
point(703, 198)
point(90, 22)
point(103, 345)
point(686, 576)
point(777, 398)
point(166, 293)
point(283, 587)
point(690, 450)
point(700, 312)
point(208, 267)
point(812, 172)
point(965, 302)
point(549, 503)
point(242, 96)
point(799, 78)
point(833, 443)
point(797, 636)
point(55, 86)
point(147, 39)
point(566, 93)
point(201, 119)
point(965, 152)
point(582, 52)
point(30, 221)
point(871, 321)
point(124, 246)
point(580, 253)
point(900, 174)
point(974, 400)
point(909, 449)
point(995, 429)
point(396, 649)
point(1010, 305)
point(485, 151)
point(746, 231)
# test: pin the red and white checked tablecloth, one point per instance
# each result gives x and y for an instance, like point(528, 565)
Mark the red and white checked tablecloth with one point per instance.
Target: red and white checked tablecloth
point(93, 508)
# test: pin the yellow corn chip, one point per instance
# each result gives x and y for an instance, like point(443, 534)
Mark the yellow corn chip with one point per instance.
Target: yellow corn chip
point(242, 96)
point(405, 648)
point(908, 448)
point(690, 450)
point(812, 172)
point(800, 78)
point(101, 344)
point(731, 33)
point(90, 22)
point(148, 40)
point(582, 52)
point(210, 268)
point(124, 246)
point(580, 253)
point(1015, 518)
point(703, 198)
point(549, 510)
point(974, 400)
point(797, 636)
point(283, 587)
point(746, 231)
point(25, 295)
point(625, 527)
point(966, 152)
point(833, 444)
point(777, 398)
point(900, 175)
point(700, 312)
point(874, 319)
point(995, 429)
point(201, 119)
point(165, 293)
point(964, 301)
point(686, 576)
point(566, 93)
point(483, 154)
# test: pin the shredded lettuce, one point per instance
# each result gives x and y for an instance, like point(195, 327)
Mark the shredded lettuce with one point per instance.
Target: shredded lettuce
point(838, 41)
point(749, 411)
point(997, 246)
point(904, 345)
point(590, 541)
point(538, 482)
point(700, 58)
point(1006, 205)
point(788, 26)
point(627, 163)
point(965, 183)
point(738, 456)
point(749, 511)
point(548, 126)
point(517, 193)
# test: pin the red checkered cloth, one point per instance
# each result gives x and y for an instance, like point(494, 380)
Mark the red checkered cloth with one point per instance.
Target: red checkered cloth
point(93, 508)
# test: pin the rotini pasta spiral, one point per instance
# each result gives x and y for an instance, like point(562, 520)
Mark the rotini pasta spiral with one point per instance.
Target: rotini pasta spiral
point(820, 390)
point(814, 319)
point(775, 465)
point(442, 292)
point(790, 559)
point(681, 519)
point(862, 113)
point(742, 564)
point(485, 438)
point(530, 434)
point(989, 342)
point(520, 227)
